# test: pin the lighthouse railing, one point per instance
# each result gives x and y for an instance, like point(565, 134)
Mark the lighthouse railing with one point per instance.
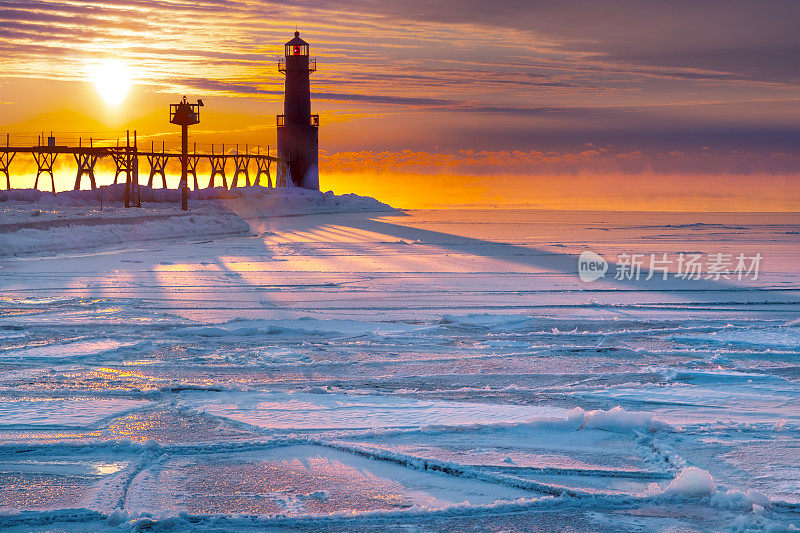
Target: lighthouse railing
point(312, 65)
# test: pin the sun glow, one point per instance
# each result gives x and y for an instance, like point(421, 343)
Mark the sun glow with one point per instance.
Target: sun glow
point(112, 79)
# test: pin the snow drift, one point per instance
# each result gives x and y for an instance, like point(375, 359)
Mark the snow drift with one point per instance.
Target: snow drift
point(35, 222)
point(617, 420)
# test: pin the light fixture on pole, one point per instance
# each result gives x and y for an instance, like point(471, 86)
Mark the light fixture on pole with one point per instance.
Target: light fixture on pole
point(185, 114)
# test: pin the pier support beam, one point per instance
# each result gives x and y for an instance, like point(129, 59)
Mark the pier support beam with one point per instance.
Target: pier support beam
point(5, 162)
point(263, 168)
point(241, 164)
point(120, 164)
point(158, 163)
point(191, 168)
point(133, 197)
point(44, 165)
point(86, 163)
point(217, 167)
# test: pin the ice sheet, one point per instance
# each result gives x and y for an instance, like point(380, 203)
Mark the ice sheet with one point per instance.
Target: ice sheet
point(355, 371)
point(303, 411)
point(57, 412)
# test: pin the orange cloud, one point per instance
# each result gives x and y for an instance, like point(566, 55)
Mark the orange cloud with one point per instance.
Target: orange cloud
point(586, 191)
point(534, 162)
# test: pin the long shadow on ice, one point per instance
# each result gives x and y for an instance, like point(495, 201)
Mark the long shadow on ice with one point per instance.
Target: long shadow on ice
point(734, 292)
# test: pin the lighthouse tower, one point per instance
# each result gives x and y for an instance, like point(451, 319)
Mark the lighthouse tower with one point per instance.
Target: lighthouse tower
point(298, 129)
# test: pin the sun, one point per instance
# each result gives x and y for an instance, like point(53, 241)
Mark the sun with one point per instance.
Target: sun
point(112, 79)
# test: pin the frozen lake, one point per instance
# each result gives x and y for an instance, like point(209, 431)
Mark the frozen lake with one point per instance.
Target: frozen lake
point(428, 370)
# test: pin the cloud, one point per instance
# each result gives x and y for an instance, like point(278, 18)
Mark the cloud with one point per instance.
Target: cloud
point(588, 43)
point(757, 40)
point(504, 74)
point(589, 160)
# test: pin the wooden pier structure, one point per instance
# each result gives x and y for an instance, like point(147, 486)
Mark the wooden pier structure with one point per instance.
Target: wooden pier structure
point(126, 157)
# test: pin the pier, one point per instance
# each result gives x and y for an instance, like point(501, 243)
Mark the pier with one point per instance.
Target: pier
point(126, 154)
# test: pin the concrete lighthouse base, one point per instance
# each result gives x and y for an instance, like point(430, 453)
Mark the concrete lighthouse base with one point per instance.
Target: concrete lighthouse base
point(300, 145)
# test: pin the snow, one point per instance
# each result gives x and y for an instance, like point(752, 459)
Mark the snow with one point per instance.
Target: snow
point(617, 419)
point(73, 221)
point(691, 482)
point(356, 368)
point(746, 500)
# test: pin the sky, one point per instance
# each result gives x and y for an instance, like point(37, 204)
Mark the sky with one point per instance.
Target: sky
point(619, 104)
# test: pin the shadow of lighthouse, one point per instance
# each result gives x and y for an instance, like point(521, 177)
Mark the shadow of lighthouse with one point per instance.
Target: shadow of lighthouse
point(298, 129)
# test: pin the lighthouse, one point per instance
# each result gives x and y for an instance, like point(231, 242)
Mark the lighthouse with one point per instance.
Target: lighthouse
point(298, 129)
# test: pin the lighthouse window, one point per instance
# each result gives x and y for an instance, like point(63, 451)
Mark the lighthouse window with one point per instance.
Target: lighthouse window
point(296, 50)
